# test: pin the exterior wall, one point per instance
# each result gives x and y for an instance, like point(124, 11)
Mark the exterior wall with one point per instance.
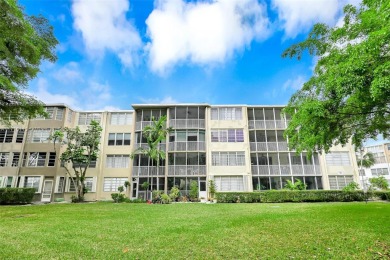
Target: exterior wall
point(247, 177)
point(382, 161)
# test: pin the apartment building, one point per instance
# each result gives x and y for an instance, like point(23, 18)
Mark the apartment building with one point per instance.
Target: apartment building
point(240, 147)
point(381, 167)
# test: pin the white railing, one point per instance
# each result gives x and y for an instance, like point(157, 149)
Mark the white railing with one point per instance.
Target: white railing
point(309, 169)
point(140, 125)
point(285, 170)
point(187, 146)
point(297, 169)
point(270, 146)
point(186, 170)
point(148, 171)
point(161, 146)
point(187, 123)
point(266, 124)
point(282, 146)
point(274, 170)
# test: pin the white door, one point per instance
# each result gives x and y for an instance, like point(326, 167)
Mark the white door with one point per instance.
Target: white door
point(47, 189)
point(202, 189)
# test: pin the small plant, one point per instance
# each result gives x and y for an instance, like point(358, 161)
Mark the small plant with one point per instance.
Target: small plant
point(156, 196)
point(297, 185)
point(379, 183)
point(165, 198)
point(352, 186)
point(212, 189)
point(174, 193)
point(119, 197)
point(194, 190)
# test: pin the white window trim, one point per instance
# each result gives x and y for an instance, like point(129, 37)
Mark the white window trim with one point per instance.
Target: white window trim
point(22, 177)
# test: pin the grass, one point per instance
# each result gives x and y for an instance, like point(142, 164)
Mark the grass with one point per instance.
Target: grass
point(196, 231)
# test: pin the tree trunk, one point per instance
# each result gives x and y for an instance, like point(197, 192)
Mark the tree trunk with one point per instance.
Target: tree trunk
point(80, 192)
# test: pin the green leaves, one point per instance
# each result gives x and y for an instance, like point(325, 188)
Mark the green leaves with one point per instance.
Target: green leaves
point(348, 96)
point(25, 41)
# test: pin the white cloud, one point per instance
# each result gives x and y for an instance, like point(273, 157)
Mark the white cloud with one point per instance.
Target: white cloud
point(165, 100)
point(294, 84)
point(203, 33)
point(45, 96)
point(104, 26)
point(68, 73)
point(298, 16)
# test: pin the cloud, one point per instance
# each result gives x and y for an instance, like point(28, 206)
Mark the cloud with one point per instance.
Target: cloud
point(298, 16)
point(202, 33)
point(45, 96)
point(104, 27)
point(165, 100)
point(68, 73)
point(294, 84)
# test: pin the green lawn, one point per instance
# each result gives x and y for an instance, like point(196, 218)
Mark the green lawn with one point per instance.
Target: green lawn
point(196, 231)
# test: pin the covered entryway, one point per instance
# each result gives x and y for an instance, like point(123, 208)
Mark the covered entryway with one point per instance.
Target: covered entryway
point(47, 190)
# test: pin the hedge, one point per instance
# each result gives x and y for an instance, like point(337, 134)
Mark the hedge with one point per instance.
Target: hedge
point(297, 196)
point(16, 195)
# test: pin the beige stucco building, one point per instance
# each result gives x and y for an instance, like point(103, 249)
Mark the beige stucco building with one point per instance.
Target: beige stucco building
point(240, 147)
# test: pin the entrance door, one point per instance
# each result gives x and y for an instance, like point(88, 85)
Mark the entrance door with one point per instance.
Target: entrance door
point(202, 189)
point(47, 189)
point(134, 190)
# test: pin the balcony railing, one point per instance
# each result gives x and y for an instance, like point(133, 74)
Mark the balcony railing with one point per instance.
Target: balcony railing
point(187, 123)
point(140, 125)
point(161, 146)
point(267, 124)
point(186, 170)
point(148, 171)
point(270, 146)
point(285, 170)
point(187, 146)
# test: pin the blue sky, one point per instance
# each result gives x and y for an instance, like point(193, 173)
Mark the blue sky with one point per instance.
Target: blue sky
point(114, 53)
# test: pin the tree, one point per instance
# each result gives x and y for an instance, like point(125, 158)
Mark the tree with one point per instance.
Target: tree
point(154, 135)
point(81, 149)
point(365, 160)
point(25, 41)
point(347, 98)
point(380, 183)
point(297, 185)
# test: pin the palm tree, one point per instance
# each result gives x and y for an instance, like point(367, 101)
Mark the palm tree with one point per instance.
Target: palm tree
point(365, 160)
point(154, 135)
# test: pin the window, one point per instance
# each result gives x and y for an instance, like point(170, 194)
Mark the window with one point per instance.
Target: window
point(86, 118)
point(60, 185)
point(227, 135)
point(229, 183)
point(228, 158)
point(4, 157)
point(15, 159)
point(121, 118)
point(92, 164)
point(34, 159)
point(52, 159)
point(339, 182)
point(112, 184)
point(60, 113)
point(38, 135)
point(226, 113)
point(119, 139)
point(379, 171)
point(20, 136)
point(117, 161)
point(32, 182)
point(70, 116)
point(338, 159)
point(6, 135)
point(89, 183)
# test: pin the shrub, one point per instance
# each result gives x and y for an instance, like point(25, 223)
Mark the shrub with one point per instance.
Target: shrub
point(383, 195)
point(165, 199)
point(174, 193)
point(297, 185)
point(16, 195)
point(291, 196)
point(352, 186)
point(118, 197)
point(156, 196)
point(380, 183)
point(194, 190)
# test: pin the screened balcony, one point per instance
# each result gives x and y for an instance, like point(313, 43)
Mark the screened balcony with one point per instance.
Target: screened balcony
point(186, 164)
point(144, 117)
point(266, 118)
point(267, 140)
point(187, 140)
point(140, 141)
point(187, 117)
point(144, 171)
